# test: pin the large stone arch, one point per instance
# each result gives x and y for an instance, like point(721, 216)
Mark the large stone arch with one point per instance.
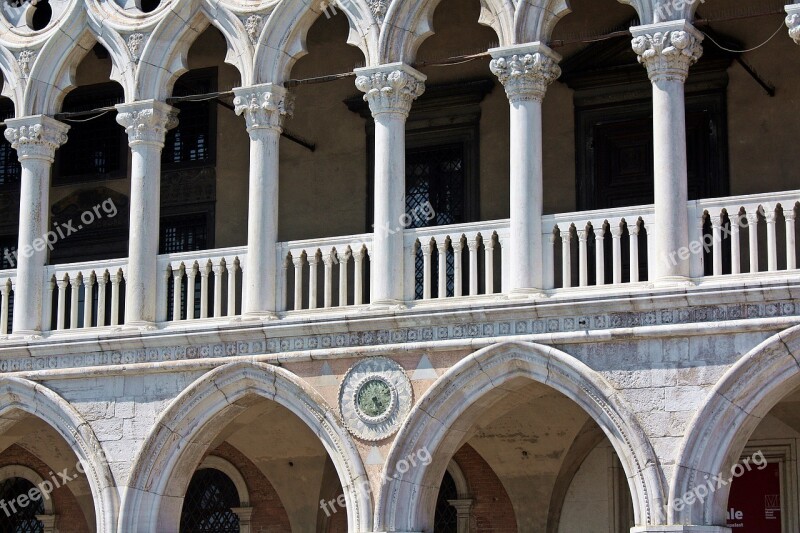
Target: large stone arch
point(19, 397)
point(721, 428)
point(169, 456)
point(282, 41)
point(442, 418)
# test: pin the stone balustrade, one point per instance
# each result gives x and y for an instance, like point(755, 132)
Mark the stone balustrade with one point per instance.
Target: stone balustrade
point(85, 295)
point(8, 280)
point(200, 285)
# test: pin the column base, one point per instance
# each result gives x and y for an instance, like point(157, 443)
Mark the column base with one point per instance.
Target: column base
point(25, 335)
point(388, 305)
point(256, 316)
point(680, 529)
point(526, 294)
point(673, 281)
point(138, 326)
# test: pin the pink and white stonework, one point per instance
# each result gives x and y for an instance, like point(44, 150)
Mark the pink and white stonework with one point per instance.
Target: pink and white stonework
point(535, 362)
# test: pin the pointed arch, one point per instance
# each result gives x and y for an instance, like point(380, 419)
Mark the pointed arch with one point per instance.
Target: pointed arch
point(282, 41)
point(443, 417)
point(164, 465)
point(165, 53)
point(721, 428)
point(408, 23)
point(19, 397)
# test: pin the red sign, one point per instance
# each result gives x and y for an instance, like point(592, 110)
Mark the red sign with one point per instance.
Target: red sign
point(754, 504)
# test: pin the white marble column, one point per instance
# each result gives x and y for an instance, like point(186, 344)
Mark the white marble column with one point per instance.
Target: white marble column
point(390, 90)
point(793, 21)
point(146, 124)
point(35, 139)
point(667, 50)
point(264, 108)
point(526, 71)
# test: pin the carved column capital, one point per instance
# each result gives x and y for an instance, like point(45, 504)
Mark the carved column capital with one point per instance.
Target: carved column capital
point(390, 88)
point(667, 49)
point(525, 71)
point(36, 137)
point(147, 122)
point(263, 106)
point(793, 21)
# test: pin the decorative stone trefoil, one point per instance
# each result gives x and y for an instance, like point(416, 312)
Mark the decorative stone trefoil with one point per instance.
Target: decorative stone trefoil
point(527, 72)
point(667, 50)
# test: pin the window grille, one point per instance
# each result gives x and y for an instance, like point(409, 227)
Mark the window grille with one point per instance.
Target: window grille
point(24, 520)
point(207, 507)
point(10, 169)
point(446, 518)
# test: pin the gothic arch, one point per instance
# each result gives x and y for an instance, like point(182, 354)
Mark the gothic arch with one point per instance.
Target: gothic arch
point(283, 39)
point(170, 455)
point(724, 424)
point(443, 416)
point(408, 23)
point(20, 396)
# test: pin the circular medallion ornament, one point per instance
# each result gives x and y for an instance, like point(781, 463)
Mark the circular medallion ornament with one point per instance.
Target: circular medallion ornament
point(374, 398)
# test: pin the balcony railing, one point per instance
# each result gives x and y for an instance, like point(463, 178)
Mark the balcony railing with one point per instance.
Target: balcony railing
point(733, 238)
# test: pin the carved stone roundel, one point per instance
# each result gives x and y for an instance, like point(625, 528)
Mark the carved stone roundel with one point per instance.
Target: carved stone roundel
point(375, 397)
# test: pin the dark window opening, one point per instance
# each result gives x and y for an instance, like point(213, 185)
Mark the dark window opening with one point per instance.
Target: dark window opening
point(207, 507)
point(24, 520)
point(10, 170)
point(193, 140)
point(148, 6)
point(446, 518)
point(184, 233)
point(42, 13)
point(8, 252)
point(97, 148)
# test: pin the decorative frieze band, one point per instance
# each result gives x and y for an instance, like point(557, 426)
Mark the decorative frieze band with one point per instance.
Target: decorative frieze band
point(36, 137)
point(147, 122)
point(390, 88)
point(667, 49)
point(400, 336)
point(525, 71)
point(263, 106)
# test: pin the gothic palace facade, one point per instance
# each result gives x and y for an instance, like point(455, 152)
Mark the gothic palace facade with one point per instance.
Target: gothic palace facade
point(399, 266)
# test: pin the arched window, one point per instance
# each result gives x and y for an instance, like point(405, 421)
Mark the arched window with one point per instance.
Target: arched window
point(15, 517)
point(446, 520)
point(209, 504)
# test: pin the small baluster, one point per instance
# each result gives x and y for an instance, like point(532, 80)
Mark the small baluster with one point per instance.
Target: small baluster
point(313, 277)
point(101, 299)
point(791, 246)
point(583, 258)
point(5, 290)
point(600, 255)
point(75, 286)
point(736, 252)
point(205, 271)
point(458, 275)
point(218, 268)
point(488, 262)
point(327, 260)
point(474, 245)
point(342, 258)
point(426, 270)
point(616, 235)
point(772, 242)
point(633, 236)
point(191, 276)
point(752, 225)
point(566, 259)
point(232, 268)
point(61, 309)
point(441, 245)
point(116, 278)
point(716, 234)
point(177, 289)
point(88, 294)
point(358, 277)
point(297, 260)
